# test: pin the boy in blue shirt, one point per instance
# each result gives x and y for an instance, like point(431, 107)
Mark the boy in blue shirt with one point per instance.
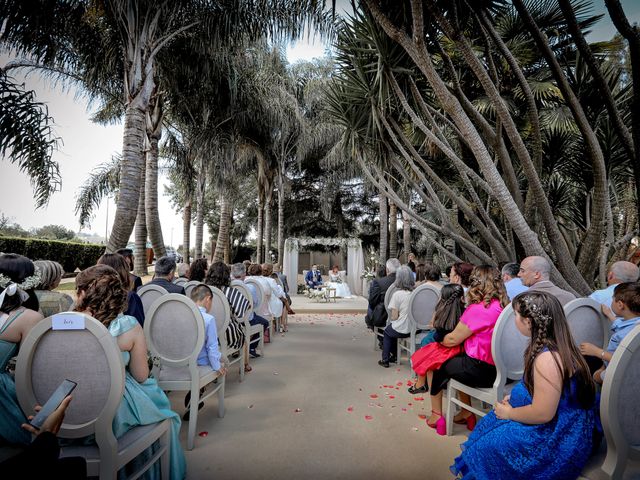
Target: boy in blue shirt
point(626, 306)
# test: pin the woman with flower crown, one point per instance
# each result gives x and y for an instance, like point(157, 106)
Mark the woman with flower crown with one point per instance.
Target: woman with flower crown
point(17, 276)
point(544, 428)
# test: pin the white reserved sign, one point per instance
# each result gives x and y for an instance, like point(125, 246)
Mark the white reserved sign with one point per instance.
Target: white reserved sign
point(67, 322)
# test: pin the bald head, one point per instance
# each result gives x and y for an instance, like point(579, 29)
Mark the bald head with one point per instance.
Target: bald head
point(622, 272)
point(533, 270)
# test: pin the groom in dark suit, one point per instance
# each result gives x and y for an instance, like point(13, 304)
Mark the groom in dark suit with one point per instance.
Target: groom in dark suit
point(313, 278)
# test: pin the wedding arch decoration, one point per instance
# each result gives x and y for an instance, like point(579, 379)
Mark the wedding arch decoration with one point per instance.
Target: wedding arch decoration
point(355, 258)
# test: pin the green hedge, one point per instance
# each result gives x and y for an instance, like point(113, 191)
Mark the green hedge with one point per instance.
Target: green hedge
point(70, 255)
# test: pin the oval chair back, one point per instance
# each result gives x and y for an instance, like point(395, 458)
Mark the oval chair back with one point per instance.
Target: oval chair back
point(507, 349)
point(422, 304)
point(586, 322)
point(189, 286)
point(259, 289)
point(180, 281)
point(149, 294)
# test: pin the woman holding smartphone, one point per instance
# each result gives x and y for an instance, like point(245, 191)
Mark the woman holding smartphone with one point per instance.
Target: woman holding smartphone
point(102, 295)
point(17, 274)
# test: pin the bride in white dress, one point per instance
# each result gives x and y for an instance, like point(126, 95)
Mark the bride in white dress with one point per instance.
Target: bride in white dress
point(337, 281)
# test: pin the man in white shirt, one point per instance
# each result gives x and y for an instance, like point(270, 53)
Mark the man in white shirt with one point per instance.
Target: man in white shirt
point(619, 272)
point(512, 283)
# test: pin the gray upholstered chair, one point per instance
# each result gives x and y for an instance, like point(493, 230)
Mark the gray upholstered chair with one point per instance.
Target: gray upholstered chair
point(249, 330)
point(222, 311)
point(620, 420)
point(174, 329)
point(148, 294)
point(378, 331)
point(264, 297)
point(587, 323)
point(422, 304)
point(507, 349)
point(180, 281)
point(91, 358)
point(189, 286)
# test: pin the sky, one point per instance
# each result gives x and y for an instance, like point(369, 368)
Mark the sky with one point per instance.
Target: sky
point(85, 145)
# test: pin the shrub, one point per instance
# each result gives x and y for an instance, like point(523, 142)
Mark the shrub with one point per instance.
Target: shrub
point(70, 255)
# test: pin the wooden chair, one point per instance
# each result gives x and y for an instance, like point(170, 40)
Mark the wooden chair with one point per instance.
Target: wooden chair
point(175, 335)
point(422, 304)
point(91, 357)
point(149, 294)
point(620, 420)
point(221, 310)
point(507, 349)
point(249, 329)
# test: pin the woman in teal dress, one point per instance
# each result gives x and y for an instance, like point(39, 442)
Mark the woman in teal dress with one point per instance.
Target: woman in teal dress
point(16, 272)
point(544, 429)
point(102, 295)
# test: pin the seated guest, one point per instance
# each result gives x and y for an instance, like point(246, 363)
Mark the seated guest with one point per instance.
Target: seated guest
point(401, 324)
point(336, 281)
point(164, 273)
point(16, 275)
point(460, 273)
point(136, 281)
point(313, 278)
point(433, 275)
point(277, 269)
point(474, 366)
point(278, 300)
point(512, 283)
point(198, 270)
point(50, 275)
point(238, 273)
point(219, 276)
point(119, 264)
point(619, 272)
point(41, 458)
point(626, 307)
point(544, 428)
point(182, 270)
point(377, 291)
point(535, 272)
point(101, 294)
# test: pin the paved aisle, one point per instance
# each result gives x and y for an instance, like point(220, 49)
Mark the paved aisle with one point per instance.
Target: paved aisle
point(325, 367)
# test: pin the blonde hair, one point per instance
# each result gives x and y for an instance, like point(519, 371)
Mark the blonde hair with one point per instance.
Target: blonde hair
point(486, 285)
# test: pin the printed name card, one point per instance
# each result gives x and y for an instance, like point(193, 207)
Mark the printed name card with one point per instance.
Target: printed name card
point(67, 322)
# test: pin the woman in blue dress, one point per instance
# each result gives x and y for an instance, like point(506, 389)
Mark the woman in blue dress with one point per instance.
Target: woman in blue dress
point(102, 295)
point(17, 274)
point(544, 429)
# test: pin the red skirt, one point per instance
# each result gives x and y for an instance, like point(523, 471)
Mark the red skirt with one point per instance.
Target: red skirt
point(432, 356)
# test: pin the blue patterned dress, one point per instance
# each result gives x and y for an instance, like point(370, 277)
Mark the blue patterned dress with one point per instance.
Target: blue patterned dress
point(11, 416)
point(558, 449)
point(145, 403)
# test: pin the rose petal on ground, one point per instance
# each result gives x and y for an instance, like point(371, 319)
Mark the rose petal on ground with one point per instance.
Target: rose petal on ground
point(422, 417)
point(368, 417)
point(399, 384)
point(373, 395)
point(410, 404)
point(350, 409)
point(203, 434)
point(404, 409)
point(392, 396)
point(419, 399)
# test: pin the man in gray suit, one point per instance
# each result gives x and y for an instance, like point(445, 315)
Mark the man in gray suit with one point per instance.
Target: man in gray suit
point(535, 273)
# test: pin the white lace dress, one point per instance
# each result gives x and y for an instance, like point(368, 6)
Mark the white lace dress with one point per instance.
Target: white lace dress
point(336, 281)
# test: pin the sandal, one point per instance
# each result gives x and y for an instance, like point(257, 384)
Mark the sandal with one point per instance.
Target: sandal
point(247, 368)
point(435, 424)
point(413, 390)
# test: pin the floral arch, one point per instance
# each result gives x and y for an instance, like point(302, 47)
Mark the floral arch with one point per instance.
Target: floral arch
point(355, 258)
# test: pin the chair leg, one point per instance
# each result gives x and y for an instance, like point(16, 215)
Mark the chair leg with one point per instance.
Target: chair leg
point(615, 462)
point(221, 398)
point(244, 356)
point(164, 460)
point(261, 343)
point(193, 415)
point(449, 414)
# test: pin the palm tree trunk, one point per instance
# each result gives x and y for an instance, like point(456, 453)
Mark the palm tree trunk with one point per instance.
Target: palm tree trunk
point(393, 230)
point(406, 233)
point(154, 228)
point(222, 243)
point(186, 229)
point(130, 178)
point(259, 229)
point(267, 229)
point(384, 232)
point(140, 251)
point(200, 191)
point(281, 198)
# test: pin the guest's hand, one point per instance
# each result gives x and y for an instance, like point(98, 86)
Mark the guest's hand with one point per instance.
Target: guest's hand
point(607, 312)
point(222, 372)
point(53, 422)
point(503, 409)
point(590, 349)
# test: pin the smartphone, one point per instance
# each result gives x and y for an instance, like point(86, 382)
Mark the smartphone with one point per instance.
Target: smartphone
point(65, 388)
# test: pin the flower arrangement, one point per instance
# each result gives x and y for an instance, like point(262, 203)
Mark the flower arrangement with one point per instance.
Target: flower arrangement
point(368, 274)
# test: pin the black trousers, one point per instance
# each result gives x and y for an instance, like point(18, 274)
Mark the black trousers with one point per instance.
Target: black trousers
point(467, 370)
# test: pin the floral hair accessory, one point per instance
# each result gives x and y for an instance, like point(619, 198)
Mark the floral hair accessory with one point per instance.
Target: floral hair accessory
point(533, 307)
point(27, 284)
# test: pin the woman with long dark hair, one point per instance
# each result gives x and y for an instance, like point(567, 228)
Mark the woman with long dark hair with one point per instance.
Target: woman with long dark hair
point(544, 428)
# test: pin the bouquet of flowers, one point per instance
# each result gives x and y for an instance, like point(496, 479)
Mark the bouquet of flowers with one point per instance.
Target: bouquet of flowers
point(368, 274)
